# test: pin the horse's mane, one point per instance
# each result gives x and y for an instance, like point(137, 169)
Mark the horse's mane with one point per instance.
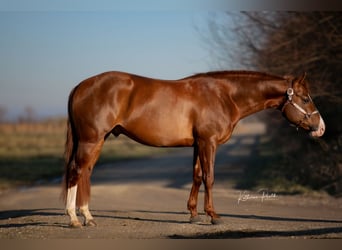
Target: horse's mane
point(236, 73)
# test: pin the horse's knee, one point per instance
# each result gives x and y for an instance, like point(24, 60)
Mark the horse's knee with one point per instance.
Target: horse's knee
point(192, 203)
point(197, 180)
point(208, 182)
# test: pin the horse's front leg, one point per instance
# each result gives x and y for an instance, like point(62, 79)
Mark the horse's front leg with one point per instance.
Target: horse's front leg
point(197, 181)
point(207, 151)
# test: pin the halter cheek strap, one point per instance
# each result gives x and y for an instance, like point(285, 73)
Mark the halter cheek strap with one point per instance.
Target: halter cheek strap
point(290, 93)
point(307, 115)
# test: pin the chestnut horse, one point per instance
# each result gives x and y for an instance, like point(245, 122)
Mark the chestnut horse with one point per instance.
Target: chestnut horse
point(199, 111)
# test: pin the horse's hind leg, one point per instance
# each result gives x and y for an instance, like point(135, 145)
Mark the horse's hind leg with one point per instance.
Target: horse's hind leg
point(71, 206)
point(88, 218)
point(79, 195)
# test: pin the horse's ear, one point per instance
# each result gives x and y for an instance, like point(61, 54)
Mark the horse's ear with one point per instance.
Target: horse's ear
point(289, 78)
point(302, 78)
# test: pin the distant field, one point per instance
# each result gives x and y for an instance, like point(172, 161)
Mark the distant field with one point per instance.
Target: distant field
point(33, 152)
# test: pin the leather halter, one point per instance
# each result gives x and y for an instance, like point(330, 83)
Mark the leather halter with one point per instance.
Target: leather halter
point(307, 115)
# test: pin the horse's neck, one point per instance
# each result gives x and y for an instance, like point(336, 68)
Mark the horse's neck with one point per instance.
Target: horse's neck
point(263, 95)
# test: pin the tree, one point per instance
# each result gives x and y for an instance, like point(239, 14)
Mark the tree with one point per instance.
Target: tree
point(3, 113)
point(29, 115)
point(292, 43)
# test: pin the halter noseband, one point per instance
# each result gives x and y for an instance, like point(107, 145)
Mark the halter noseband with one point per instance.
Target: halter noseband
point(307, 115)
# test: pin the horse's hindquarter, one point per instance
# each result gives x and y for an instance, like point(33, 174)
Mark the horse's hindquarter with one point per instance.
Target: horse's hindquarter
point(96, 103)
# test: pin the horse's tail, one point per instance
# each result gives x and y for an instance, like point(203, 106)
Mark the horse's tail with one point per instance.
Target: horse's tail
point(71, 145)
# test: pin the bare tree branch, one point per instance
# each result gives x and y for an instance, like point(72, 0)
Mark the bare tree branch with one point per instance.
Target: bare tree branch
point(291, 43)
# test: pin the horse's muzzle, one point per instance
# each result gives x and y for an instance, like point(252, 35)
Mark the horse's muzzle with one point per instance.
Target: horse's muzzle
point(320, 130)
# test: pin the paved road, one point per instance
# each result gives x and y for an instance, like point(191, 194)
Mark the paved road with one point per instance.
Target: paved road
point(146, 198)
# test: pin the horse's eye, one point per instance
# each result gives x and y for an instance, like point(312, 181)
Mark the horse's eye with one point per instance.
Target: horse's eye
point(306, 100)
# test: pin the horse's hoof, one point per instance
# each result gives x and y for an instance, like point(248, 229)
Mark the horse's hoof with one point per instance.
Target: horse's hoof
point(90, 223)
point(75, 224)
point(217, 221)
point(195, 220)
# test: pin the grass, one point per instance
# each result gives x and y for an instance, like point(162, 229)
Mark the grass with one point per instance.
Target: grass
point(33, 152)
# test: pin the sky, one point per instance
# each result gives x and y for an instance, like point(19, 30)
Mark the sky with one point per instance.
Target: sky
point(48, 47)
point(44, 54)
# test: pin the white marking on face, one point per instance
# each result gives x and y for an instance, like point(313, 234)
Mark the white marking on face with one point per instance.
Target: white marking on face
point(321, 128)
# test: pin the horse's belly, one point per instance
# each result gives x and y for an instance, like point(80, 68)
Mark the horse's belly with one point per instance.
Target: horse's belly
point(155, 131)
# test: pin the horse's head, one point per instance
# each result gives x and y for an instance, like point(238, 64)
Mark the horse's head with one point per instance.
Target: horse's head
point(299, 108)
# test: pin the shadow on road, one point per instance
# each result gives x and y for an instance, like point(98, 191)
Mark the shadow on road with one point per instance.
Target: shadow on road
point(177, 218)
point(4, 215)
point(30, 217)
point(231, 234)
